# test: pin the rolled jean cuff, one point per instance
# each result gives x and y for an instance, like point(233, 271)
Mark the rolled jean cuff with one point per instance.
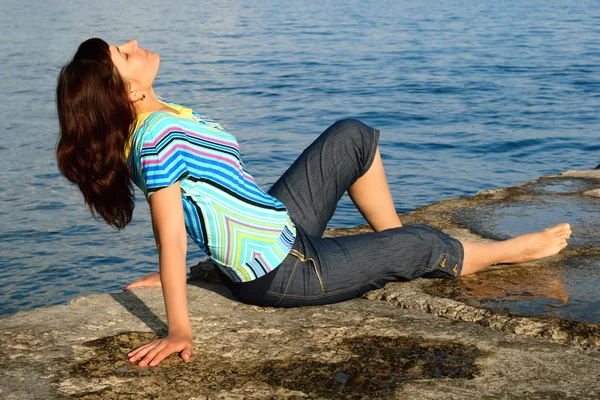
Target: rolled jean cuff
point(449, 264)
point(372, 150)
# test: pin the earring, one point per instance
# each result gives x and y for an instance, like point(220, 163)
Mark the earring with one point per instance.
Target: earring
point(139, 99)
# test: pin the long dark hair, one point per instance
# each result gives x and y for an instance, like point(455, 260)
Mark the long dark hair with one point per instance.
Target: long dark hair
point(95, 116)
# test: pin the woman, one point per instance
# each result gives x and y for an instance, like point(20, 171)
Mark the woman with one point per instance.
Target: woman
point(114, 130)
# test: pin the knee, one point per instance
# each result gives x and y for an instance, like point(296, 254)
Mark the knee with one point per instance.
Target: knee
point(352, 127)
point(352, 142)
point(360, 137)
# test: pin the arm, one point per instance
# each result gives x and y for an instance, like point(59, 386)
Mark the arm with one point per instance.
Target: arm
point(151, 280)
point(169, 232)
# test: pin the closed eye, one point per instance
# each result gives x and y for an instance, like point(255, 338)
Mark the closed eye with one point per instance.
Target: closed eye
point(124, 55)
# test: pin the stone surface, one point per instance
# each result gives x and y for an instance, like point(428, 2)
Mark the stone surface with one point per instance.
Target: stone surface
point(358, 349)
point(426, 339)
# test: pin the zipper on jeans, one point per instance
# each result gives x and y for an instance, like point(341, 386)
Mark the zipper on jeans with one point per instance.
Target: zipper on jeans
point(302, 258)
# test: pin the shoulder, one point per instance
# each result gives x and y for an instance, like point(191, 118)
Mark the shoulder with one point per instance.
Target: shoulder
point(159, 125)
point(161, 120)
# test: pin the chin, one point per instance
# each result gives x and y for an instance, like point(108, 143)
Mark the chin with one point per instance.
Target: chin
point(157, 66)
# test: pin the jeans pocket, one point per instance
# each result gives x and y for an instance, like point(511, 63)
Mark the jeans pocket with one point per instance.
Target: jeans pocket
point(285, 282)
point(310, 270)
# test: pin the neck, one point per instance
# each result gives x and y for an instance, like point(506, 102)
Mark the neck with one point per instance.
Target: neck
point(149, 104)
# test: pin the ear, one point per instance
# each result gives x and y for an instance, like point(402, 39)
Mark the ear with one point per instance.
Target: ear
point(134, 90)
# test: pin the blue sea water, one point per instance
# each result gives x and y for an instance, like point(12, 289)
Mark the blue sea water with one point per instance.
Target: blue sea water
point(467, 95)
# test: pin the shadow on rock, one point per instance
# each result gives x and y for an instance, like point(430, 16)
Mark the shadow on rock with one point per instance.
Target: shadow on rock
point(139, 309)
point(372, 366)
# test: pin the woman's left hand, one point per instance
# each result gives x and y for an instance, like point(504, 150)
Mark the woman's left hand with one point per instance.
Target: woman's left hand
point(153, 353)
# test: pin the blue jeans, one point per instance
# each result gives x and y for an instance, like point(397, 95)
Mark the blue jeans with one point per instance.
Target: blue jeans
point(329, 270)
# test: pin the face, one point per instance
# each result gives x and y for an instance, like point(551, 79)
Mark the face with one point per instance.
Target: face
point(136, 65)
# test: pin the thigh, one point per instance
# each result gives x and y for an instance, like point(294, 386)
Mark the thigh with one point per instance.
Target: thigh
point(311, 188)
point(338, 269)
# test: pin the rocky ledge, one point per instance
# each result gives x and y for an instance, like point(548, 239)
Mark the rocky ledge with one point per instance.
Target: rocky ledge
point(510, 332)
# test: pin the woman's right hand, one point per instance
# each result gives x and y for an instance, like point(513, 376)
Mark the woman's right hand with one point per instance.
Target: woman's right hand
point(153, 353)
point(152, 280)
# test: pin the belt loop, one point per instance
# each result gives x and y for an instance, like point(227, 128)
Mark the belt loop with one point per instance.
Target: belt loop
point(302, 258)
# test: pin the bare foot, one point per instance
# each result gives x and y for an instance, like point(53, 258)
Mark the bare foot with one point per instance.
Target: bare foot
point(528, 247)
point(546, 243)
point(152, 280)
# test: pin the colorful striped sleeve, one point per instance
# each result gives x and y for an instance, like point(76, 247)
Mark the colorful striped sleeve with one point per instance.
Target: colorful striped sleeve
point(162, 156)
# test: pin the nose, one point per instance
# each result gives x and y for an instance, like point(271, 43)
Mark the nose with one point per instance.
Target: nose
point(130, 47)
point(133, 44)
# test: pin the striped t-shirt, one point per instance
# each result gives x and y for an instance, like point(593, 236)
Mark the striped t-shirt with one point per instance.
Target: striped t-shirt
point(246, 231)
